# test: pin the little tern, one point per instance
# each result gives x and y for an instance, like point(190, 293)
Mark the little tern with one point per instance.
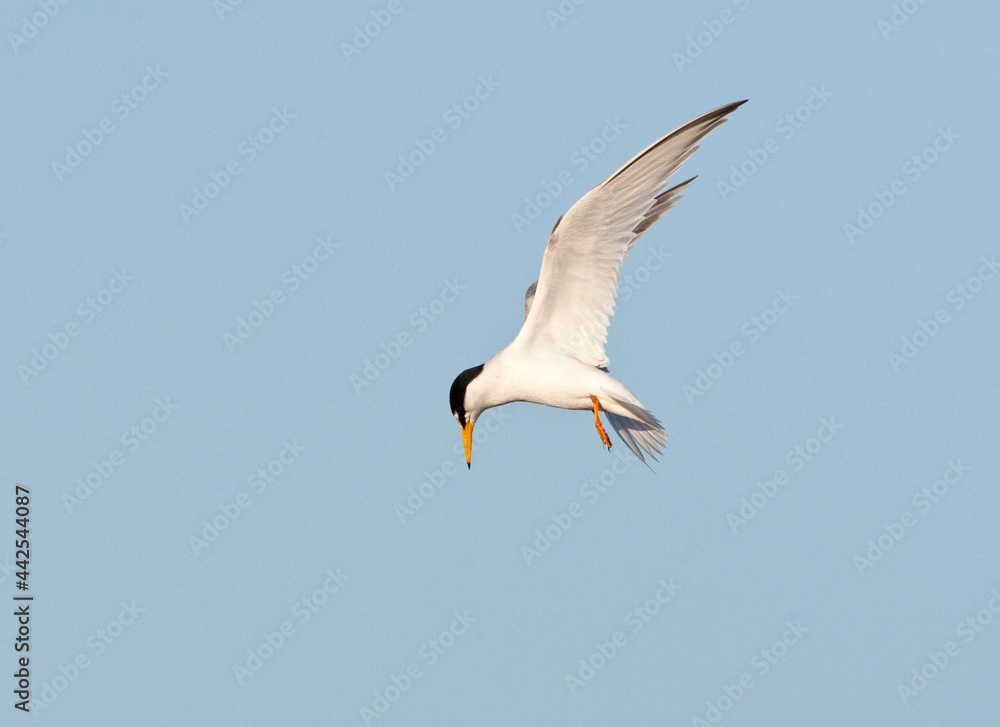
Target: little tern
point(558, 357)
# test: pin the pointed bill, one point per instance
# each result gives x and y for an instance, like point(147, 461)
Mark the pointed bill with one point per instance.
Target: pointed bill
point(467, 441)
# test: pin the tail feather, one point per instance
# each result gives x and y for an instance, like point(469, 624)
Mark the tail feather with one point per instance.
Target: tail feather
point(641, 432)
point(639, 436)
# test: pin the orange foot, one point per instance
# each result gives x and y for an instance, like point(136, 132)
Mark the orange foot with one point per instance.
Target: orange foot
point(597, 420)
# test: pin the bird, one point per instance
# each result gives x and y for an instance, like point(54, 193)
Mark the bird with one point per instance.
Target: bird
point(558, 359)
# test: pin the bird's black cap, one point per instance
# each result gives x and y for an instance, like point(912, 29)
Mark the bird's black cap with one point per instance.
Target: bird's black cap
point(458, 388)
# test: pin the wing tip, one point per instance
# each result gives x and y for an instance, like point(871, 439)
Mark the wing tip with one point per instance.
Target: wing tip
point(710, 120)
point(730, 107)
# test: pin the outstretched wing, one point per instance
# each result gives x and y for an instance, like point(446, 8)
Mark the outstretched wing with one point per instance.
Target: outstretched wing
point(574, 297)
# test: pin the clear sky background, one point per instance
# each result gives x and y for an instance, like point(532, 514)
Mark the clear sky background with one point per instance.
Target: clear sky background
point(229, 332)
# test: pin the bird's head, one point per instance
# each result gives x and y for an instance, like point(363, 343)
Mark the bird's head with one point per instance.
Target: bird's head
point(466, 406)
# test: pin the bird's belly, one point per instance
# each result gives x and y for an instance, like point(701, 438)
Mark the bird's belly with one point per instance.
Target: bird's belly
point(559, 385)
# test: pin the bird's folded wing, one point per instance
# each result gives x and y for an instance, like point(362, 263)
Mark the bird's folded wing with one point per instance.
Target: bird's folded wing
point(575, 295)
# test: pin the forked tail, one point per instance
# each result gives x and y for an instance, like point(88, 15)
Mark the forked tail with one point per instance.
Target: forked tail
point(641, 432)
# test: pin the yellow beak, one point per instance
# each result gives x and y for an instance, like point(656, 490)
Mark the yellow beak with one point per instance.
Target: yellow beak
point(467, 441)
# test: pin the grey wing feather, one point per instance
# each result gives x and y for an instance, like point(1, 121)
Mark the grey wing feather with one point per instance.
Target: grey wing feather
point(530, 296)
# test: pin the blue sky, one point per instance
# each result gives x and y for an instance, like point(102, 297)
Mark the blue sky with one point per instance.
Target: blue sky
point(246, 248)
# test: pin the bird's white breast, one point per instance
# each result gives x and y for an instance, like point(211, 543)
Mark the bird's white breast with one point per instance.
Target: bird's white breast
point(561, 382)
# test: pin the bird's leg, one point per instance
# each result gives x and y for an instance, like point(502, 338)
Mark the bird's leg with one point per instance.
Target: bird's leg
point(597, 420)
